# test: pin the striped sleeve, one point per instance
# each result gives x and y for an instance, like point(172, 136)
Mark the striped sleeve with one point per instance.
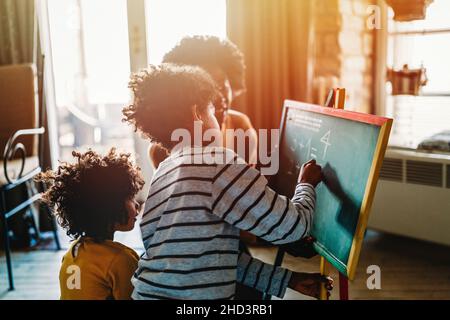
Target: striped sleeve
point(261, 276)
point(241, 197)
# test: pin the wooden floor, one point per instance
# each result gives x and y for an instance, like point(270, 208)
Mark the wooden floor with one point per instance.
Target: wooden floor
point(36, 271)
point(410, 269)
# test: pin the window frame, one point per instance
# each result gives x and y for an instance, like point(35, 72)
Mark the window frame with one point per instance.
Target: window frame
point(423, 32)
point(381, 64)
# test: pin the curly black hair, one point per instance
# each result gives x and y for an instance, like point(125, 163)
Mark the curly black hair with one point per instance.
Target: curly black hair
point(163, 97)
point(211, 51)
point(88, 197)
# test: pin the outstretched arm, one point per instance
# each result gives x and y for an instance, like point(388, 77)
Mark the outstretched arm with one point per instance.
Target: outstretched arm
point(242, 198)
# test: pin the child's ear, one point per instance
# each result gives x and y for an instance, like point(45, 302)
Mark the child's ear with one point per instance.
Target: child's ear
point(196, 113)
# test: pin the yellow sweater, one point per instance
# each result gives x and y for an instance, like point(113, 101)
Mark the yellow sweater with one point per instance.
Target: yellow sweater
point(97, 270)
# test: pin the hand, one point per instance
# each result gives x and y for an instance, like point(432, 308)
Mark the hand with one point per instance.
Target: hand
point(302, 248)
point(310, 173)
point(310, 283)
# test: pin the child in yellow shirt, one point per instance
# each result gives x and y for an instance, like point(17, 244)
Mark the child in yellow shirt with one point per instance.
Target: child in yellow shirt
point(93, 198)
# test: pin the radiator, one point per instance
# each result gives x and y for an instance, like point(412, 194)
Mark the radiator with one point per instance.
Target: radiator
point(413, 196)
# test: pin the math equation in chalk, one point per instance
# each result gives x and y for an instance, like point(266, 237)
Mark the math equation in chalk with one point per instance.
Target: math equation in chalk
point(313, 124)
point(312, 151)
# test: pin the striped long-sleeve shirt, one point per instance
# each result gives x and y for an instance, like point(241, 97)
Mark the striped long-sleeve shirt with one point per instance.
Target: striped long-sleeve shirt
point(199, 200)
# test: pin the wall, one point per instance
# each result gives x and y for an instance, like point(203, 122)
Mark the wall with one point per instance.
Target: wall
point(344, 51)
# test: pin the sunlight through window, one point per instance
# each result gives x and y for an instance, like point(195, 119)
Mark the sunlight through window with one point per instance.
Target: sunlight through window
point(171, 20)
point(91, 67)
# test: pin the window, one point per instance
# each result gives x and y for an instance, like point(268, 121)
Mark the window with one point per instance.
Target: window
point(90, 56)
point(171, 20)
point(91, 62)
point(420, 43)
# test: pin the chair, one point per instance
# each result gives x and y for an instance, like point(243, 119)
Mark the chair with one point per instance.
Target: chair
point(18, 138)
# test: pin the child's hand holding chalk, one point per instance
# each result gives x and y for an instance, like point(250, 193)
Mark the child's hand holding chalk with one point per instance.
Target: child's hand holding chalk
point(310, 173)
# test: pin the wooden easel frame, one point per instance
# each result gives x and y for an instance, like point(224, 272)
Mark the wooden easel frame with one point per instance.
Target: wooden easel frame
point(336, 99)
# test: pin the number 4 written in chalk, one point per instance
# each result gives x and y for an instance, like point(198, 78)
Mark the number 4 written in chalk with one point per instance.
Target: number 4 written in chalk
point(326, 141)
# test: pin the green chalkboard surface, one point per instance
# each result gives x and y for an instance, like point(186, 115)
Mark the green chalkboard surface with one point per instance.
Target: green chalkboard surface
point(348, 146)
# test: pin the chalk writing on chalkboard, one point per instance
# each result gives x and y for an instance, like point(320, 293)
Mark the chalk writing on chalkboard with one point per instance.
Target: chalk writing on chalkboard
point(313, 124)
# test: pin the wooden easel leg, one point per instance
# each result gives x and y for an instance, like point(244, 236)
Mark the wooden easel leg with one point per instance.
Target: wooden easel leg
point(325, 271)
point(343, 287)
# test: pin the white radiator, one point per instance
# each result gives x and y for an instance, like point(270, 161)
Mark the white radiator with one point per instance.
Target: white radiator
point(413, 196)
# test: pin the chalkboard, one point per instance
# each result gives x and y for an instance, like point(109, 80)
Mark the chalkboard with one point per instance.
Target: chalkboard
point(350, 147)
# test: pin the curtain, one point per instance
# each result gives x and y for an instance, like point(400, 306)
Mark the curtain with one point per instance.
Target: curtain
point(16, 31)
point(16, 47)
point(19, 43)
point(274, 36)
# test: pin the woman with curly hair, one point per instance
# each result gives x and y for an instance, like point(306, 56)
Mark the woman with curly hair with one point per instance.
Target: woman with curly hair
point(93, 198)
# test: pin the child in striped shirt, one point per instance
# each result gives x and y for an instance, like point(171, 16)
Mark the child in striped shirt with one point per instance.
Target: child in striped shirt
point(201, 196)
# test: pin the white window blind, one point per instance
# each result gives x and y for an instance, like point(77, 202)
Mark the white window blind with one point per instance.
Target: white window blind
point(427, 43)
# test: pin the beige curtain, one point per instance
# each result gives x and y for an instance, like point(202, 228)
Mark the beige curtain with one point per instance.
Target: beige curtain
point(275, 37)
point(16, 31)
